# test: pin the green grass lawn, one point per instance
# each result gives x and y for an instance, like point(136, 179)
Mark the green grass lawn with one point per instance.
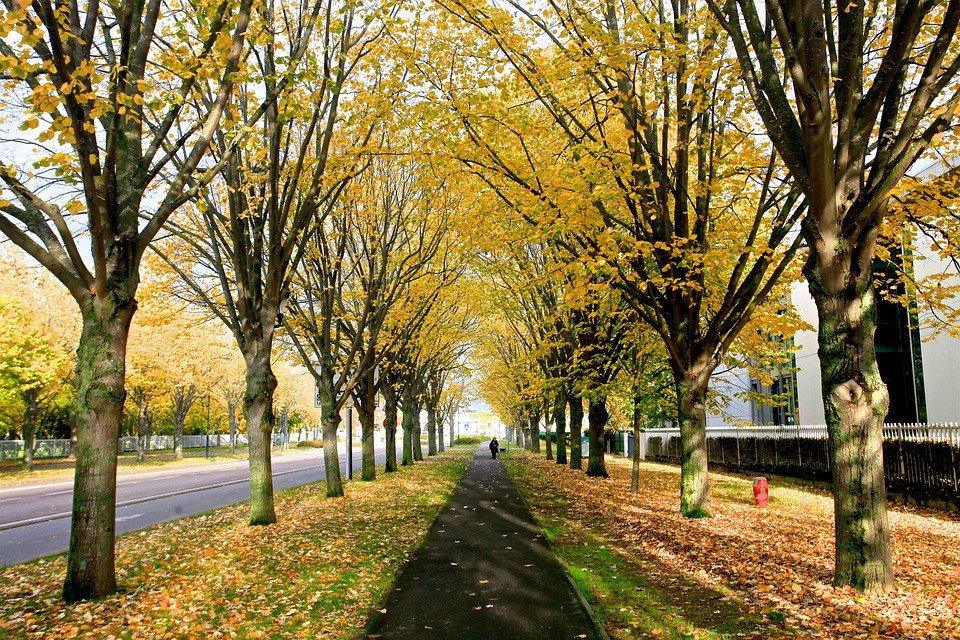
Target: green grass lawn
point(318, 572)
point(745, 572)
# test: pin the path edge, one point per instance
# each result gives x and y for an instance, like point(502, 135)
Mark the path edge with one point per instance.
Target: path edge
point(581, 596)
point(375, 614)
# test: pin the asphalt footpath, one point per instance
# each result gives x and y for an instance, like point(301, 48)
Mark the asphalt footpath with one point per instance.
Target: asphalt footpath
point(484, 571)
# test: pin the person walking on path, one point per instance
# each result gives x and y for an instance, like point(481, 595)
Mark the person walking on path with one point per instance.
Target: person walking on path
point(494, 448)
point(484, 572)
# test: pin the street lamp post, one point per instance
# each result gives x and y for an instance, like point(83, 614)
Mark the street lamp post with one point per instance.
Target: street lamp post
point(208, 427)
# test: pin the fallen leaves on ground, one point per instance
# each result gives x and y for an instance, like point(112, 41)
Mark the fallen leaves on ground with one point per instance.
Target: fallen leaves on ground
point(775, 563)
point(316, 573)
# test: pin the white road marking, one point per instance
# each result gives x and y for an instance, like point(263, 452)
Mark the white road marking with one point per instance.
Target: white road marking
point(136, 515)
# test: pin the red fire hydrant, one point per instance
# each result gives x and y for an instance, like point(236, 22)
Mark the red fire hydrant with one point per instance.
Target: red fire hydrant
point(760, 491)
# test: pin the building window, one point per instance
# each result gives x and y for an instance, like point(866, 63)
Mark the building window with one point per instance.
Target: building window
point(897, 347)
point(776, 403)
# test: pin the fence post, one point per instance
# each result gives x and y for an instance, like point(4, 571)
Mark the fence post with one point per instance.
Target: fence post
point(949, 437)
point(738, 446)
point(903, 469)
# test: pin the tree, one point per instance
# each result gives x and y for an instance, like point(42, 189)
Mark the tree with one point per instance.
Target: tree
point(174, 357)
point(870, 88)
point(402, 214)
point(106, 86)
point(32, 368)
point(622, 137)
point(246, 235)
point(360, 263)
point(38, 332)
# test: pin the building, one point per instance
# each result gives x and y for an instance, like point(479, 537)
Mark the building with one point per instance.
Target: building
point(917, 359)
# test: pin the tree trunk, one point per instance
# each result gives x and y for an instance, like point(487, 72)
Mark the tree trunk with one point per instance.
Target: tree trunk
point(855, 404)
point(366, 407)
point(285, 427)
point(183, 398)
point(560, 419)
point(597, 418)
point(143, 423)
point(518, 433)
point(407, 457)
point(576, 426)
point(232, 421)
point(440, 445)
point(31, 408)
point(546, 428)
point(331, 454)
point(417, 436)
point(368, 453)
point(635, 473)
point(411, 413)
point(99, 408)
point(453, 435)
point(258, 410)
point(177, 438)
point(431, 430)
point(390, 426)
point(535, 432)
point(694, 481)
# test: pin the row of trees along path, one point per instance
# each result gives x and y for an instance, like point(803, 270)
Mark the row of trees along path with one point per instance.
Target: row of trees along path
point(485, 570)
point(618, 143)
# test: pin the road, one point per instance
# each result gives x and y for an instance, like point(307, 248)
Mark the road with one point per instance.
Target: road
point(35, 519)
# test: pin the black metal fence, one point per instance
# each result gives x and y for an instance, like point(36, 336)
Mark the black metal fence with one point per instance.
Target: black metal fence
point(920, 461)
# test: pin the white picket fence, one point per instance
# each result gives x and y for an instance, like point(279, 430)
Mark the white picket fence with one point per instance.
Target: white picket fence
point(13, 449)
point(946, 432)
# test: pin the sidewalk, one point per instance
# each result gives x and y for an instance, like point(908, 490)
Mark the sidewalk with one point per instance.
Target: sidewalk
point(485, 572)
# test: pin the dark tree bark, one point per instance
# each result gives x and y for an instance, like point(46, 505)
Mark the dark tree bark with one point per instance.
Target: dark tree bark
point(548, 445)
point(870, 88)
point(411, 424)
point(417, 439)
point(598, 417)
point(535, 431)
point(366, 397)
point(576, 427)
point(431, 430)
point(99, 408)
point(261, 384)
point(694, 479)
point(330, 424)
point(183, 398)
point(637, 421)
point(31, 410)
point(390, 426)
point(560, 419)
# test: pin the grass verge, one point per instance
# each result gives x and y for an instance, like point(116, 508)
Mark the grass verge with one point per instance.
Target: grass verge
point(746, 572)
point(316, 573)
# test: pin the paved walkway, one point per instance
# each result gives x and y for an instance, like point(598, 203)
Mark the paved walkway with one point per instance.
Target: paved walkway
point(485, 572)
